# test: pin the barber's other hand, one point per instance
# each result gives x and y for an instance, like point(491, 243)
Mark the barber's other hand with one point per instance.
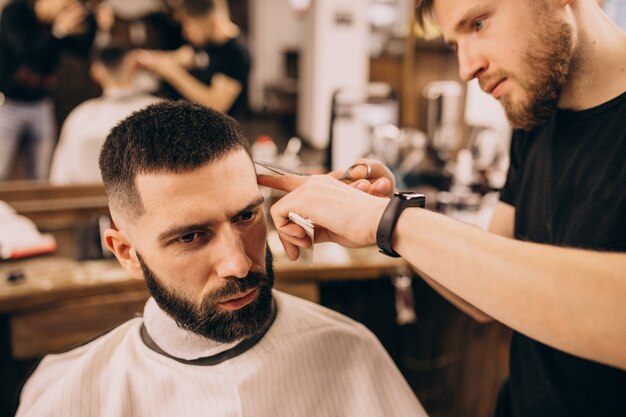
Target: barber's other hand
point(69, 21)
point(161, 63)
point(340, 213)
point(380, 183)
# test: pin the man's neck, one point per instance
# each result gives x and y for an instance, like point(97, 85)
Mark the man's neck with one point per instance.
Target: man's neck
point(598, 71)
point(111, 87)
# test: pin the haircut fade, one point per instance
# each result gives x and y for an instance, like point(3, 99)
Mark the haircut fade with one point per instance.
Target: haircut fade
point(167, 137)
point(111, 56)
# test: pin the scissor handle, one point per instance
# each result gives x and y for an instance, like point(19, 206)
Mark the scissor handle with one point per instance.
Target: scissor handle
point(347, 177)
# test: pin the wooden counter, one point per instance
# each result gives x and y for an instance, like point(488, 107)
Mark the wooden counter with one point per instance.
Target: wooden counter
point(61, 302)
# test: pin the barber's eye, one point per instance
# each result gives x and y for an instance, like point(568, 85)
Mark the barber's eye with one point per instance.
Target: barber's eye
point(189, 237)
point(478, 24)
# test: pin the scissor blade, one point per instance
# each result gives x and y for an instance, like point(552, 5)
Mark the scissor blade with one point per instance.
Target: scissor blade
point(280, 170)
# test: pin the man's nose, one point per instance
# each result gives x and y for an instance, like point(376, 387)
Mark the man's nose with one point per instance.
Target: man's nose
point(232, 259)
point(471, 61)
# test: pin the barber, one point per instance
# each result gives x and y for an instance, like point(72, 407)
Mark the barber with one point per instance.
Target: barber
point(215, 71)
point(552, 265)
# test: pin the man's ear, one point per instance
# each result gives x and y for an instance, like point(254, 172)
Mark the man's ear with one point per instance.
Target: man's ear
point(120, 245)
point(96, 72)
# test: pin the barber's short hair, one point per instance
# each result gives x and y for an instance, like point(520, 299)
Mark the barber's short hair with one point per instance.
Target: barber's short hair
point(111, 56)
point(423, 11)
point(197, 7)
point(167, 137)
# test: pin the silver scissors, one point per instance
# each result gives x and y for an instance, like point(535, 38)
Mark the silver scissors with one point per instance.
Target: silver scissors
point(346, 176)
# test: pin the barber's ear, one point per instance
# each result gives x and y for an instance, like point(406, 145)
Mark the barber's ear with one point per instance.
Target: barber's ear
point(120, 245)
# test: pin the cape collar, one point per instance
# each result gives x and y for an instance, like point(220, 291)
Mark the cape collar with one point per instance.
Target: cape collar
point(160, 333)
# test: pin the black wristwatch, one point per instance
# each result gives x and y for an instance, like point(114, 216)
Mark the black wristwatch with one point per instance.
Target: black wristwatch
point(388, 221)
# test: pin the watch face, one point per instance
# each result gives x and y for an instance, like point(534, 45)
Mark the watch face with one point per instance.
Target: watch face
point(410, 195)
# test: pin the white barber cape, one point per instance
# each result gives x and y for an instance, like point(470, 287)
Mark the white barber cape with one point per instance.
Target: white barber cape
point(311, 362)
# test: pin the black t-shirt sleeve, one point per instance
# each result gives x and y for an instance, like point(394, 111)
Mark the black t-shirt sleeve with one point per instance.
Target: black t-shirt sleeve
point(509, 191)
point(237, 64)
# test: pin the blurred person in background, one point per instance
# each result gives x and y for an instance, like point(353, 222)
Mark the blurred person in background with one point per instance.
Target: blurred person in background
point(87, 126)
point(216, 70)
point(33, 34)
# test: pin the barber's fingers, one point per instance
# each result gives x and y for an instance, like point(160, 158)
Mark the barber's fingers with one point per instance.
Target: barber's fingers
point(293, 237)
point(381, 187)
point(292, 251)
point(340, 213)
point(379, 171)
point(281, 182)
point(362, 185)
point(357, 172)
point(68, 21)
point(293, 230)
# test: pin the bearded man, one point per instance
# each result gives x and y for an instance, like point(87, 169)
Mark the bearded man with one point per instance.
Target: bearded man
point(553, 264)
point(215, 339)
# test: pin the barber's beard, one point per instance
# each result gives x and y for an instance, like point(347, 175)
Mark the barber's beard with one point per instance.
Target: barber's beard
point(207, 319)
point(549, 62)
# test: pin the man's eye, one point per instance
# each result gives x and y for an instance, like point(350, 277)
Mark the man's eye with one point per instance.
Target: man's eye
point(189, 237)
point(248, 215)
point(478, 24)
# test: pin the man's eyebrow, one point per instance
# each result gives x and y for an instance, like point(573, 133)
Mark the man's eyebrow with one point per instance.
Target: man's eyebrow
point(254, 204)
point(468, 15)
point(178, 230)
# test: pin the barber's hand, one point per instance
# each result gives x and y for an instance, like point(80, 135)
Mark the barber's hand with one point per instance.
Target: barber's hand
point(105, 16)
point(69, 21)
point(381, 182)
point(340, 213)
point(161, 63)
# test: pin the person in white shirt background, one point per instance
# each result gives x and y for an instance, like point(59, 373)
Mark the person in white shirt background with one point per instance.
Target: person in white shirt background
point(75, 159)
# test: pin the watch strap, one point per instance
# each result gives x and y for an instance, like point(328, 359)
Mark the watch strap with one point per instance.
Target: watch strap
point(387, 224)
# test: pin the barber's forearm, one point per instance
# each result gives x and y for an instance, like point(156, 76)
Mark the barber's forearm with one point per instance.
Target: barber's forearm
point(570, 299)
point(457, 301)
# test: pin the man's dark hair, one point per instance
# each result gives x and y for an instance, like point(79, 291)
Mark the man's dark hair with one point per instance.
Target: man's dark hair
point(110, 56)
point(167, 137)
point(423, 11)
point(197, 7)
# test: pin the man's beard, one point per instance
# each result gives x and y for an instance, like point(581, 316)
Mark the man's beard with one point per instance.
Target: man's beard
point(207, 319)
point(550, 61)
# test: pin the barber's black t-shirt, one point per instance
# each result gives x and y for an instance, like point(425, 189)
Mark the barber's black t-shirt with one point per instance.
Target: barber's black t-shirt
point(233, 60)
point(567, 182)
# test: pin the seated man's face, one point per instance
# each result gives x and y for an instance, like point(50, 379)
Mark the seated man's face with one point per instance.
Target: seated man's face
point(201, 245)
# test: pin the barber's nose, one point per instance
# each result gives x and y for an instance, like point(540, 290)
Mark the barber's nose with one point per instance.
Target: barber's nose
point(471, 62)
point(232, 259)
